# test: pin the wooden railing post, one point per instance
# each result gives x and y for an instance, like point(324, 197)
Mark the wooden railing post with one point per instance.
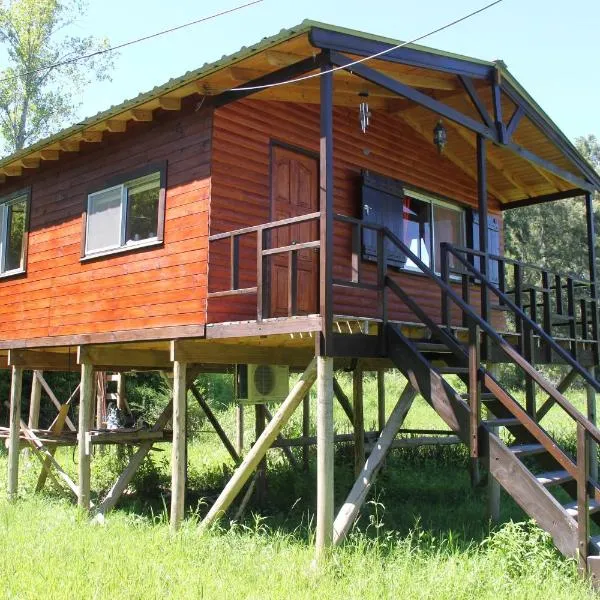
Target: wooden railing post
point(572, 313)
point(474, 398)
point(591, 235)
point(518, 279)
point(529, 355)
point(235, 262)
point(547, 312)
point(445, 275)
point(292, 283)
point(260, 274)
point(582, 497)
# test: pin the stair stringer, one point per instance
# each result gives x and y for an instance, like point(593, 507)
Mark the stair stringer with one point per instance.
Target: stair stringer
point(431, 385)
point(531, 496)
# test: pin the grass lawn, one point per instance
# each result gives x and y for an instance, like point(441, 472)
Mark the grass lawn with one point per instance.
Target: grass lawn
point(424, 533)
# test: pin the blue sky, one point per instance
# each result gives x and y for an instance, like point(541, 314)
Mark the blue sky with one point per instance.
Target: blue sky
point(549, 45)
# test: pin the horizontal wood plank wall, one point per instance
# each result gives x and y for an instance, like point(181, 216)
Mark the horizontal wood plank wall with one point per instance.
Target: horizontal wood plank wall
point(153, 287)
point(242, 134)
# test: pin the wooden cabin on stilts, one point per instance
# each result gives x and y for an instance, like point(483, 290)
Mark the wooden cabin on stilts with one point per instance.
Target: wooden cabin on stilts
point(299, 205)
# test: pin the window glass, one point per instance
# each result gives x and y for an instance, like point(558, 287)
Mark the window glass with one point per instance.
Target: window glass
point(417, 230)
point(104, 220)
point(15, 232)
point(142, 208)
point(447, 227)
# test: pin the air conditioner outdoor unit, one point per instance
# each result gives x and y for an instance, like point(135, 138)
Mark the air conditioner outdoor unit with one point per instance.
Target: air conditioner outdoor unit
point(265, 383)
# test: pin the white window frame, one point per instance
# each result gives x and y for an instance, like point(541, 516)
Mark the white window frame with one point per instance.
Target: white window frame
point(123, 244)
point(431, 201)
point(5, 203)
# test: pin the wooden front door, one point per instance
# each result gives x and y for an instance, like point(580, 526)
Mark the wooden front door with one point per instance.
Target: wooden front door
point(294, 192)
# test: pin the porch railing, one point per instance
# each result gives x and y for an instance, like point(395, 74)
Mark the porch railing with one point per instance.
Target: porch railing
point(263, 253)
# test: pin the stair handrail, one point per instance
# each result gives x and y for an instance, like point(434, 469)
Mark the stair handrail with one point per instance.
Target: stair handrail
point(506, 301)
point(515, 357)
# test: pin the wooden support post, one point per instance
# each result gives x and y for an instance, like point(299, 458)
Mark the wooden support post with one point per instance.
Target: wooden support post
point(360, 489)
point(305, 430)
point(493, 485)
point(592, 416)
point(34, 403)
point(178, 454)
point(380, 399)
point(239, 428)
point(258, 451)
point(325, 453)
point(482, 208)
point(85, 408)
point(359, 419)
point(16, 388)
point(121, 393)
point(583, 509)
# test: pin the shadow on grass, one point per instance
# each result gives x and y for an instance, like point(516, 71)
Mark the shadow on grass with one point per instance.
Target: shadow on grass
point(428, 487)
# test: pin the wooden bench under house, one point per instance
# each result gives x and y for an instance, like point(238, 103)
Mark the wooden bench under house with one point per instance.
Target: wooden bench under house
point(350, 219)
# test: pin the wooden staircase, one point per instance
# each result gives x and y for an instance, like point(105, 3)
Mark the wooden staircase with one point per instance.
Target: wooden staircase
point(552, 485)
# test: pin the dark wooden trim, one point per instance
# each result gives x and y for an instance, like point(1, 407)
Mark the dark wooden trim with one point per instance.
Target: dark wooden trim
point(155, 167)
point(294, 70)
point(482, 197)
point(395, 86)
point(408, 55)
point(326, 210)
point(356, 345)
point(114, 337)
point(574, 193)
point(476, 100)
point(514, 121)
point(27, 192)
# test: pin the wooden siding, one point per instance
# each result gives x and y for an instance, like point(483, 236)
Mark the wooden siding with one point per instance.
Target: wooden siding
point(243, 133)
point(144, 288)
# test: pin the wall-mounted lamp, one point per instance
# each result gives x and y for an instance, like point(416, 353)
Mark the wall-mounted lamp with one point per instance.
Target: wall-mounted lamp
point(440, 136)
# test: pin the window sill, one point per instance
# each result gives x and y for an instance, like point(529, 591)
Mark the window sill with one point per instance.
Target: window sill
point(122, 250)
point(13, 273)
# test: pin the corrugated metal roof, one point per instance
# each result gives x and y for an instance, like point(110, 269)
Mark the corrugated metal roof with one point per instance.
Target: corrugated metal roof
point(246, 52)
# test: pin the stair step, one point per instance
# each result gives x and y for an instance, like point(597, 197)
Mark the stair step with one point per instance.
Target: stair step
point(550, 478)
point(445, 370)
point(571, 508)
point(527, 450)
point(503, 422)
point(433, 347)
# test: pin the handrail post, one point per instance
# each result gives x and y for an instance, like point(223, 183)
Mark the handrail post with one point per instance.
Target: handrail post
point(529, 355)
point(572, 313)
point(582, 497)
point(444, 272)
point(591, 235)
point(547, 312)
point(235, 262)
point(474, 398)
point(292, 283)
point(260, 274)
point(381, 283)
point(518, 277)
point(356, 251)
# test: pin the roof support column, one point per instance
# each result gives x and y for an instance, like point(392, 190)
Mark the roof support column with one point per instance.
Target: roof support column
point(591, 240)
point(482, 196)
point(326, 208)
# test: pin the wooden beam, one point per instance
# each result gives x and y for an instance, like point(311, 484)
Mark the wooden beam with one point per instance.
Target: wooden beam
point(16, 389)
point(91, 136)
point(380, 399)
point(14, 170)
point(138, 114)
point(30, 162)
point(85, 409)
point(370, 468)
point(111, 356)
point(197, 351)
point(34, 401)
point(281, 59)
point(343, 400)
point(49, 154)
point(40, 360)
point(116, 125)
point(259, 449)
point(178, 450)
point(38, 375)
point(69, 145)
point(359, 418)
point(325, 454)
point(169, 103)
point(241, 74)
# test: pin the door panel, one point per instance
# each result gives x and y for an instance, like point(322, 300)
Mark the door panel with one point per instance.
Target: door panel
point(294, 185)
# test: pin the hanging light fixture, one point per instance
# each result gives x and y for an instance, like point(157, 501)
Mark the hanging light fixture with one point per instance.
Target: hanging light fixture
point(440, 136)
point(364, 114)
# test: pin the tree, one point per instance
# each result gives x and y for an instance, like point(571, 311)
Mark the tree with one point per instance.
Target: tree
point(40, 85)
point(554, 234)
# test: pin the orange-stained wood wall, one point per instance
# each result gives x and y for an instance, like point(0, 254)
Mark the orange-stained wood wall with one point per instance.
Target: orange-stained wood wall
point(243, 134)
point(146, 288)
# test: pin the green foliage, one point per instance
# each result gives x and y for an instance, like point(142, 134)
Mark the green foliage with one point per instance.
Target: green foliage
point(37, 96)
